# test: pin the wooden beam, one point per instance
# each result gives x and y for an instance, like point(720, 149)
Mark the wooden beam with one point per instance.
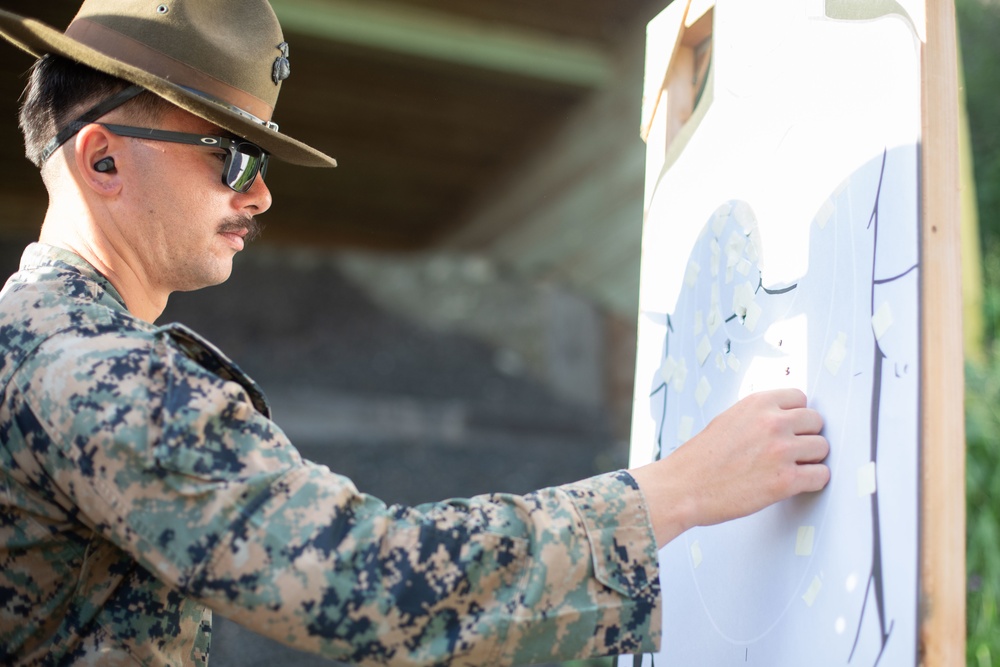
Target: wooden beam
point(942, 598)
point(447, 38)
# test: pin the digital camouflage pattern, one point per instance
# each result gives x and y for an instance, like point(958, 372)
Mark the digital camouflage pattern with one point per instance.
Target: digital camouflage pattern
point(142, 483)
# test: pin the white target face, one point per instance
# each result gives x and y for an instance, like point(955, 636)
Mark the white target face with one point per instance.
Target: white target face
point(801, 271)
point(844, 333)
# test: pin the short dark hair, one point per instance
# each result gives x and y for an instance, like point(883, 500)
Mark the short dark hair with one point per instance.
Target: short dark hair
point(59, 90)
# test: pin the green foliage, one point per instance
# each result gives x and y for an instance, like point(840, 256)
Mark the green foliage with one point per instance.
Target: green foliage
point(982, 404)
point(991, 291)
point(978, 28)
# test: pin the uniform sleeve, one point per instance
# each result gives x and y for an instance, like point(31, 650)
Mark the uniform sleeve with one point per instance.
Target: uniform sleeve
point(176, 466)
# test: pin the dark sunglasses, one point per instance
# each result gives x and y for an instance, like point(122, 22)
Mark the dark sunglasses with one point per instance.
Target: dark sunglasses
point(243, 158)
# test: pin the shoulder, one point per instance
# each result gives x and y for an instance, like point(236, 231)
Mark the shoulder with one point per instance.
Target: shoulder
point(68, 335)
point(162, 371)
point(72, 324)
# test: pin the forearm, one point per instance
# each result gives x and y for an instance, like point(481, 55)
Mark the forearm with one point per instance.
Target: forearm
point(672, 507)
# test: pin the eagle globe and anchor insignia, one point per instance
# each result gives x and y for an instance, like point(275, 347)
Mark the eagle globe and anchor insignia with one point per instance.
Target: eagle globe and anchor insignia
point(281, 68)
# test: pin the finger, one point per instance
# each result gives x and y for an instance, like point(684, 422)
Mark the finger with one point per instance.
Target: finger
point(806, 421)
point(811, 448)
point(789, 398)
point(811, 477)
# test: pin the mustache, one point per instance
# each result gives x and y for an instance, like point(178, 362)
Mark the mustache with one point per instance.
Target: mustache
point(235, 224)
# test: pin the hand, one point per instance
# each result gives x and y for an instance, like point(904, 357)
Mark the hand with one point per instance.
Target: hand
point(764, 449)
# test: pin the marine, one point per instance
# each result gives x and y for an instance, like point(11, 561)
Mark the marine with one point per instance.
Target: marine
point(143, 484)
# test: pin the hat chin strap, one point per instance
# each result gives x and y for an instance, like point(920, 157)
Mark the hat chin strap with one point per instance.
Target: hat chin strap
point(89, 117)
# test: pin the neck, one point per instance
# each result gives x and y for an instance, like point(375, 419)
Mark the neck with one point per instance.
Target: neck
point(75, 228)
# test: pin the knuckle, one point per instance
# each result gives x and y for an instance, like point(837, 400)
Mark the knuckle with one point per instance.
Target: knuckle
point(773, 423)
point(784, 481)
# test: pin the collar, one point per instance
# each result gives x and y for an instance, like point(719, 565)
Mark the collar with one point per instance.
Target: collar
point(42, 259)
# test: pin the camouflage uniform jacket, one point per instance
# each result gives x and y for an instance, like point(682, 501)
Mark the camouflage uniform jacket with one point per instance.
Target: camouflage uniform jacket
point(142, 484)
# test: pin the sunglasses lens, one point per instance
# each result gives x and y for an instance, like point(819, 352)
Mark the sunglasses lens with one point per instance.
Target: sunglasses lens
point(241, 168)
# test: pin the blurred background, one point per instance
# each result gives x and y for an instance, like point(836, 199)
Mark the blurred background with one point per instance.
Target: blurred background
point(452, 310)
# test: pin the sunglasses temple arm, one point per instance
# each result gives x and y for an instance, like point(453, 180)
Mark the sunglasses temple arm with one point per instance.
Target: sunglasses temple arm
point(87, 118)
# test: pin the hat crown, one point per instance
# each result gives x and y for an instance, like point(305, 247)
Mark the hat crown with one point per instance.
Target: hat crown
point(192, 43)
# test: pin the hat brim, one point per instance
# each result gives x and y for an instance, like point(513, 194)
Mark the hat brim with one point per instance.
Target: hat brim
point(38, 39)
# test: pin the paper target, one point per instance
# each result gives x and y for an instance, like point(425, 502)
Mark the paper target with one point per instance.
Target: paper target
point(801, 270)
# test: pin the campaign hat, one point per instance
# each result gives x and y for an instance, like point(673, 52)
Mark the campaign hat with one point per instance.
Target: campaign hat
point(222, 60)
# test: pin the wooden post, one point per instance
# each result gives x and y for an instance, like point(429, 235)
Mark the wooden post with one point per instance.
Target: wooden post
point(942, 598)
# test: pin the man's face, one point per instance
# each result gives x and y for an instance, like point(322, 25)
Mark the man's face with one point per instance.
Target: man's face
point(185, 225)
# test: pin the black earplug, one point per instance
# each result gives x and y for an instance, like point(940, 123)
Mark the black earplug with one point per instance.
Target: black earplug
point(105, 165)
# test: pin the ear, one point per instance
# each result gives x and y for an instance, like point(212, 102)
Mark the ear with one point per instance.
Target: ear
point(93, 144)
